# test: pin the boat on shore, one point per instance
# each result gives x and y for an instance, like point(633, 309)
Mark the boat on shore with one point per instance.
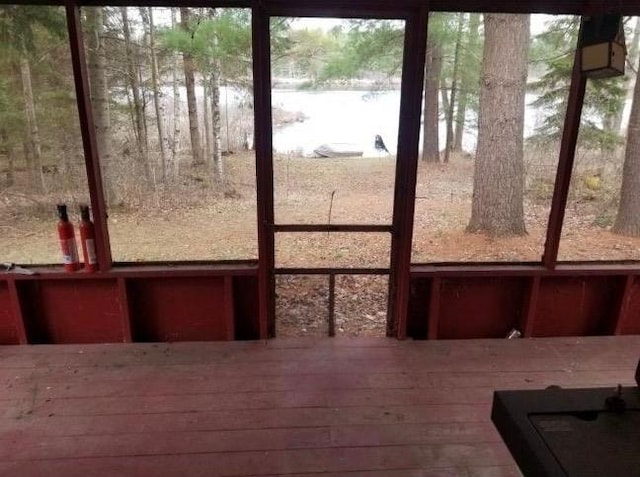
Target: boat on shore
point(338, 149)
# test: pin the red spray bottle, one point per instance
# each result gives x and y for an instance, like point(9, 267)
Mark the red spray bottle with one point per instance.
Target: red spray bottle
point(88, 240)
point(67, 240)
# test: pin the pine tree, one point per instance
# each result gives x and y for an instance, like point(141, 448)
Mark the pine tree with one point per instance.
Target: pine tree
point(498, 186)
point(628, 218)
point(218, 47)
point(553, 54)
point(23, 31)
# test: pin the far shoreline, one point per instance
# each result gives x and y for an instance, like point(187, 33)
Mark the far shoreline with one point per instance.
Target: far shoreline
point(307, 85)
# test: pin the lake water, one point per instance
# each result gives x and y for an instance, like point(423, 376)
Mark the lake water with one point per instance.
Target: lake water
point(337, 116)
point(354, 117)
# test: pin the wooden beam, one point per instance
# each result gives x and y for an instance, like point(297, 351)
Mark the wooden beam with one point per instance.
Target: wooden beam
point(330, 271)
point(529, 308)
point(623, 307)
point(264, 166)
point(413, 64)
point(515, 270)
point(229, 309)
point(377, 8)
point(331, 228)
point(89, 142)
point(17, 312)
point(123, 296)
point(565, 164)
point(332, 305)
point(434, 309)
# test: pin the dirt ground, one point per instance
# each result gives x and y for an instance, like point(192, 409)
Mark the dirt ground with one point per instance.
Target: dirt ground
point(196, 220)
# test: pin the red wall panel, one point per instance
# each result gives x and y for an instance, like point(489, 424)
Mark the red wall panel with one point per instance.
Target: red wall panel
point(8, 333)
point(179, 309)
point(87, 311)
point(480, 307)
point(582, 306)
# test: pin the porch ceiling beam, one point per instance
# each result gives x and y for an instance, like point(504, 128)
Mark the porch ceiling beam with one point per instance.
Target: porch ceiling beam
point(376, 7)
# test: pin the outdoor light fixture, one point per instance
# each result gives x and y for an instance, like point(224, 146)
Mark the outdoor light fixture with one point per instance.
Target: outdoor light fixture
point(604, 51)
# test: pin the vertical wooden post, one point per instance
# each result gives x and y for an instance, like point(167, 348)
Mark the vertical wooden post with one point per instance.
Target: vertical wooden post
point(415, 47)
point(123, 296)
point(567, 155)
point(530, 306)
point(434, 308)
point(229, 309)
point(622, 310)
point(88, 131)
point(264, 167)
point(332, 304)
point(16, 311)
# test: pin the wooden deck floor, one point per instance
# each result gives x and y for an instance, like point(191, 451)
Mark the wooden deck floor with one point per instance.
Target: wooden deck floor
point(335, 407)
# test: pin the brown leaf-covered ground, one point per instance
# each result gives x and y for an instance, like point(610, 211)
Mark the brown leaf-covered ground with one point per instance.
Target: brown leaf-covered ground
point(194, 219)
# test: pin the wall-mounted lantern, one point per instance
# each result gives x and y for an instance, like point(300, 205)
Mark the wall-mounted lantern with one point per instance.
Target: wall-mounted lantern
point(604, 51)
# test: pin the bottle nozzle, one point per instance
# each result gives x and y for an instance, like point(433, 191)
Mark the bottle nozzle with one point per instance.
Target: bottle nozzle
point(84, 213)
point(62, 212)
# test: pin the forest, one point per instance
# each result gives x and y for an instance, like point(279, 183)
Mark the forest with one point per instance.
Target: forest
point(172, 99)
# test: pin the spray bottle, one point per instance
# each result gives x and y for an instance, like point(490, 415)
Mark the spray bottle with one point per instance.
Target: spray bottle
point(67, 238)
point(88, 240)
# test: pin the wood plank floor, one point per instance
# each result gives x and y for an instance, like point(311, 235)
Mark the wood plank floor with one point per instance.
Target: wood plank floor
point(332, 407)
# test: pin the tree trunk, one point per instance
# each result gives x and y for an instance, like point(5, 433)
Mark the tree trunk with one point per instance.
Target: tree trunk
point(430, 145)
point(10, 165)
point(7, 149)
point(454, 88)
point(134, 85)
point(189, 80)
point(466, 82)
point(632, 59)
point(156, 95)
point(143, 104)
point(498, 184)
point(628, 218)
point(97, 63)
point(205, 120)
point(33, 133)
point(448, 118)
point(175, 140)
point(216, 125)
point(28, 156)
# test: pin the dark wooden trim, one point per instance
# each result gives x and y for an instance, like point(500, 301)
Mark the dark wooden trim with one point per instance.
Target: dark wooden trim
point(229, 311)
point(375, 8)
point(623, 306)
point(332, 305)
point(123, 296)
point(144, 271)
point(290, 228)
point(16, 311)
point(169, 3)
point(560, 7)
point(565, 164)
point(331, 271)
point(417, 271)
point(413, 64)
point(135, 3)
point(529, 309)
point(510, 270)
point(372, 10)
point(264, 166)
point(434, 309)
point(89, 142)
